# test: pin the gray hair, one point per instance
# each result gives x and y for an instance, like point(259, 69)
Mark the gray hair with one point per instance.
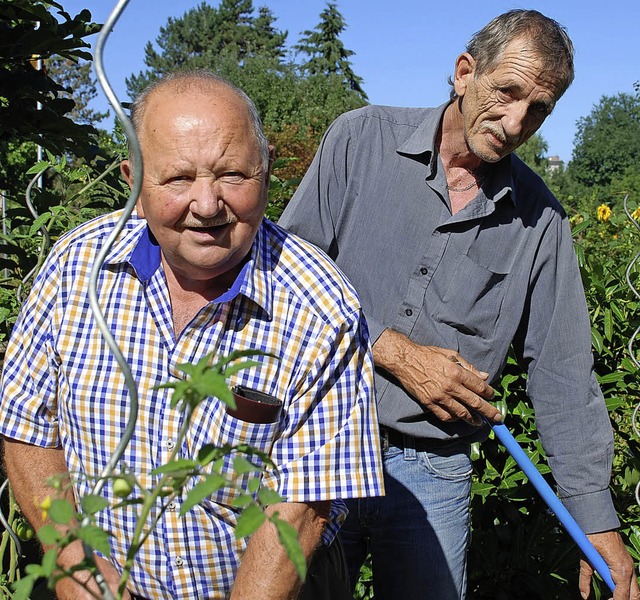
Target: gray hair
point(185, 78)
point(549, 40)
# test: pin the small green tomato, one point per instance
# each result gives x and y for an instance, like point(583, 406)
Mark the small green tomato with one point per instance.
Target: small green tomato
point(23, 530)
point(122, 487)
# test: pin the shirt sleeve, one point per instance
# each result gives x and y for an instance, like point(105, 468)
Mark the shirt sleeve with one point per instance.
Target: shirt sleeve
point(316, 207)
point(330, 448)
point(571, 416)
point(28, 389)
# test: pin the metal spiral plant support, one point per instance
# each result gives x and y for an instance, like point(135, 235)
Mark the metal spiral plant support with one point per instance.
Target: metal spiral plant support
point(634, 336)
point(46, 239)
point(5, 523)
point(134, 149)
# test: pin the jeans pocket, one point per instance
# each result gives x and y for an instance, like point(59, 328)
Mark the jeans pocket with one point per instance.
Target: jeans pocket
point(451, 462)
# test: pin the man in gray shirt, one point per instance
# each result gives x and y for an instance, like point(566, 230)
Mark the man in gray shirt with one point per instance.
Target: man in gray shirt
point(459, 251)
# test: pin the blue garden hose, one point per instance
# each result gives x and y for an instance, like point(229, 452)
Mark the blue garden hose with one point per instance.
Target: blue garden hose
point(553, 502)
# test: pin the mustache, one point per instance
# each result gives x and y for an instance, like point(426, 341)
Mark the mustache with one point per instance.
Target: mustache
point(501, 135)
point(192, 222)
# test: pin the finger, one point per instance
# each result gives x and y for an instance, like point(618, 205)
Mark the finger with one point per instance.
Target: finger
point(584, 581)
point(465, 364)
point(477, 405)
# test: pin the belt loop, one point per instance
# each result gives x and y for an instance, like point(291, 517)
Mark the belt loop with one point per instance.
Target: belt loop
point(384, 438)
point(409, 447)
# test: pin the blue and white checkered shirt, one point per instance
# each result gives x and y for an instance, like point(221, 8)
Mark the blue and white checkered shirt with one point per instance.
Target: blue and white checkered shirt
point(62, 386)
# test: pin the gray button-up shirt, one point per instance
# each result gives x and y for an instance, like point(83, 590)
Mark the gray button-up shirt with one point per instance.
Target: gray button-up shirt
point(501, 271)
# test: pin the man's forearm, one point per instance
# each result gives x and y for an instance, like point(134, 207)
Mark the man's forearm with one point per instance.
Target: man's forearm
point(28, 468)
point(266, 573)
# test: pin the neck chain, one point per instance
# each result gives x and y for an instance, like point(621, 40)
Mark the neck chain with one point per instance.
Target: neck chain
point(477, 181)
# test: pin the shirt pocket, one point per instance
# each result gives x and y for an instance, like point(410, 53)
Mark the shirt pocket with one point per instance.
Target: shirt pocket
point(472, 298)
point(237, 432)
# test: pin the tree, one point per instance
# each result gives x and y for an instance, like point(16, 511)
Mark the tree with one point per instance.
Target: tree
point(32, 105)
point(77, 79)
point(533, 152)
point(296, 105)
point(205, 37)
point(328, 56)
point(607, 141)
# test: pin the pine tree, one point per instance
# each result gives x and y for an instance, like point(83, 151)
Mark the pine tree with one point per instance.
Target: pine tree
point(327, 53)
point(205, 36)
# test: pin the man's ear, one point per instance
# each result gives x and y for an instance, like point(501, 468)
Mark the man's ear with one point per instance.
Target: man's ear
point(464, 72)
point(127, 172)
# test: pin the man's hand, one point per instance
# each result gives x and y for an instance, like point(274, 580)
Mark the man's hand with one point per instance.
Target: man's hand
point(73, 588)
point(441, 380)
point(611, 547)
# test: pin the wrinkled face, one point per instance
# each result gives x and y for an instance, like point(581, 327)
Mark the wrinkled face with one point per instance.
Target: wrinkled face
point(204, 189)
point(504, 107)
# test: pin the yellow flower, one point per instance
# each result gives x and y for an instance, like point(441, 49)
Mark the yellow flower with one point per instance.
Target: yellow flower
point(604, 212)
point(44, 506)
point(636, 214)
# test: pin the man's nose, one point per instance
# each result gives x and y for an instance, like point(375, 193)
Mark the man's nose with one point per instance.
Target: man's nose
point(206, 199)
point(515, 119)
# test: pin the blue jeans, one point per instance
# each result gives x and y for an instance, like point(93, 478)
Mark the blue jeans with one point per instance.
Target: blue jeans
point(419, 532)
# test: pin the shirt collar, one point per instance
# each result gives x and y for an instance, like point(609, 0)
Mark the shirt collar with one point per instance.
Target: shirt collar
point(139, 248)
point(423, 140)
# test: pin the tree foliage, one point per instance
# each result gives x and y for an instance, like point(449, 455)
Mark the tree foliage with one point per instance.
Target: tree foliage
point(33, 107)
point(327, 54)
point(296, 103)
point(607, 141)
point(76, 77)
point(206, 37)
point(534, 153)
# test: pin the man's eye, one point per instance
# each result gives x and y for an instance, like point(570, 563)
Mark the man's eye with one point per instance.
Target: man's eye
point(232, 177)
point(179, 179)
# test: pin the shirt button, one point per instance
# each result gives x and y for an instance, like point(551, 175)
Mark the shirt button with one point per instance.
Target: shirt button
point(424, 270)
point(170, 444)
point(408, 312)
point(171, 506)
point(179, 561)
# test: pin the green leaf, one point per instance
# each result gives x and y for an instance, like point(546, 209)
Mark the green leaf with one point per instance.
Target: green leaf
point(49, 535)
point(211, 483)
point(267, 496)
point(92, 503)
point(247, 364)
point(608, 324)
point(49, 562)
point(39, 223)
point(61, 511)
point(242, 501)
point(241, 466)
point(177, 466)
point(34, 570)
point(95, 537)
point(482, 489)
point(253, 484)
point(249, 521)
point(40, 167)
point(611, 377)
point(596, 340)
point(22, 589)
point(288, 536)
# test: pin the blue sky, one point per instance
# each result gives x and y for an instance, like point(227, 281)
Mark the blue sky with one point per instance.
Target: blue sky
point(405, 49)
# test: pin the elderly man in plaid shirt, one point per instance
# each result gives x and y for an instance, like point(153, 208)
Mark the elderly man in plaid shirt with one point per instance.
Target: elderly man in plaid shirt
point(198, 269)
